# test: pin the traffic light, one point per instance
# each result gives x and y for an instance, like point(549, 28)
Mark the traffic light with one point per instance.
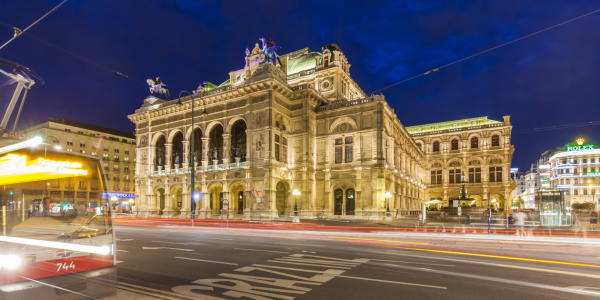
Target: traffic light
point(11, 192)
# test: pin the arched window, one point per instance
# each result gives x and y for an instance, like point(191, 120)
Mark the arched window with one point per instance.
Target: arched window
point(454, 144)
point(436, 146)
point(474, 142)
point(495, 140)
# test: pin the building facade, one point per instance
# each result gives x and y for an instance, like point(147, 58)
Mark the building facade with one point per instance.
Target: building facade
point(115, 147)
point(575, 169)
point(479, 148)
point(299, 135)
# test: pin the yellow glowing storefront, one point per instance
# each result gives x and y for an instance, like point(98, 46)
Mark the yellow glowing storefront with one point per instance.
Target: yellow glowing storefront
point(38, 180)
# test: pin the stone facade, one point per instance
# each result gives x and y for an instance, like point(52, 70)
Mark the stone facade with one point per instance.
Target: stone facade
point(479, 148)
point(272, 131)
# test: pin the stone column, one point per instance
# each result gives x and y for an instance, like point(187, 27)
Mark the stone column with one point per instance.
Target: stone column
point(185, 211)
point(186, 155)
point(151, 159)
point(358, 203)
point(168, 210)
point(205, 143)
point(226, 152)
point(328, 202)
point(169, 150)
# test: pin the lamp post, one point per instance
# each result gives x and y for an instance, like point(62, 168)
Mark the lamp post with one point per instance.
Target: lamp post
point(296, 193)
point(204, 113)
point(387, 198)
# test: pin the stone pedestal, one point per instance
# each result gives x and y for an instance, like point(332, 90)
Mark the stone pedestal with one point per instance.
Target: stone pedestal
point(184, 214)
point(176, 167)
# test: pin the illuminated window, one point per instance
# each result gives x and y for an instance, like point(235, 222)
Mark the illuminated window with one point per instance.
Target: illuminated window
point(69, 150)
point(454, 144)
point(348, 149)
point(436, 177)
point(495, 174)
point(474, 175)
point(495, 140)
point(454, 176)
point(94, 153)
point(277, 157)
point(474, 142)
point(82, 151)
point(436, 146)
point(285, 150)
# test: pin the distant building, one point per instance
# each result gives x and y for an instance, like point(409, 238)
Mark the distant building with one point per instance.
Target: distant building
point(479, 148)
point(575, 169)
point(115, 147)
point(519, 178)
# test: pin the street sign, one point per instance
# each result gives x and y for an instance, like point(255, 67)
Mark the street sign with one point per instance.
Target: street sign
point(455, 203)
point(459, 210)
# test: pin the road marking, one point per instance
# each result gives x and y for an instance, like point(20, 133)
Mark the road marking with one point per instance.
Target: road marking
point(506, 266)
point(134, 287)
point(501, 280)
point(410, 262)
point(375, 240)
point(260, 250)
point(396, 282)
point(124, 240)
point(219, 239)
point(299, 244)
point(122, 250)
point(504, 257)
point(158, 248)
point(216, 262)
point(328, 271)
point(170, 243)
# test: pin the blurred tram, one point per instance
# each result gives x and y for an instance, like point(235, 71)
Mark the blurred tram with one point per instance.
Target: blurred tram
point(53, 244)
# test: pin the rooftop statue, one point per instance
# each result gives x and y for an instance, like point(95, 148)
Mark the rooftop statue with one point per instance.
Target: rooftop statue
point(269, 51)
point(157, 87)
point(201, 88)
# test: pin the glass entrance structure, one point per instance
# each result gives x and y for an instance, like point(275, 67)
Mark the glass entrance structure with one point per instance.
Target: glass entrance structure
point(552, 208)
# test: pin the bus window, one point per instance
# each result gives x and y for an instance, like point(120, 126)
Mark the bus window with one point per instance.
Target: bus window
point(53, 234)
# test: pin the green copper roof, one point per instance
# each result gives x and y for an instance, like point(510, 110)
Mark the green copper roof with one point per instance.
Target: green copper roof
point(302, 63)
point(224, 83)
point(450, 125)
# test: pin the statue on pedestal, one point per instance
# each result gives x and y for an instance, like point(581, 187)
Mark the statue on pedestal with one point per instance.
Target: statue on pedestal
point(269, 51)
point(177, 159)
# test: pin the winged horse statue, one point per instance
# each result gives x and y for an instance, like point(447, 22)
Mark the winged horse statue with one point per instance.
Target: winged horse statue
point(157, 87)
point(269, 50)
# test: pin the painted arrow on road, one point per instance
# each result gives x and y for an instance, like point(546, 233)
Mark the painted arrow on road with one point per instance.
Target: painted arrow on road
point(166, 248)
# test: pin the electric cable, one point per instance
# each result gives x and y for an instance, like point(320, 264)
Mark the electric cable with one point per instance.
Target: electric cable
point(19, 32)
point(521, 38)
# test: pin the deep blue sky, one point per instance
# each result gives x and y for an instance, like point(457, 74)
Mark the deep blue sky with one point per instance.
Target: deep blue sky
point(549, 79)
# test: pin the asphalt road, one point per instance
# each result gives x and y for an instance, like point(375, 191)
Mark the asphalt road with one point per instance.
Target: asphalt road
point(175, 261)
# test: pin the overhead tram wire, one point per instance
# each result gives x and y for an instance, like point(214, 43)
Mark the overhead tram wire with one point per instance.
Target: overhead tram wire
point(566, 126)
point(447, 65)
point(77, 55)
point(23, 31)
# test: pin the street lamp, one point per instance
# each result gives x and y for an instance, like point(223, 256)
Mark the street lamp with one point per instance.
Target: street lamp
point(204, 113)
point(387, 197)
point(295, 193)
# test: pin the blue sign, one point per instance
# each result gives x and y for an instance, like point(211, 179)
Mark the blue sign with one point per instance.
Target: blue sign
point(117, 195)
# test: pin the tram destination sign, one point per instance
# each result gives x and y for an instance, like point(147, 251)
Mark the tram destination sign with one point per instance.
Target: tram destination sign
point(577, 148)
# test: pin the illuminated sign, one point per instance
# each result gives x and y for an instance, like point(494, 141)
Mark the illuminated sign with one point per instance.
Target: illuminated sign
point(593, 173)
point(544, 180)
point(577, 148)
point(580, 141)
point(514, 170)
point(545, 174)
point(117, 195)
point(545, 185)
point(15, 169)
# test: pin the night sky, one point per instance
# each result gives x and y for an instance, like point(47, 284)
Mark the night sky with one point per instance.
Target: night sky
point(547, 80)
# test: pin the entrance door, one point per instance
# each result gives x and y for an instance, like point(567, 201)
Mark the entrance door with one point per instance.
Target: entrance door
point(350, 202)
point(240, 202)
point(280, 198)
point(338, 201)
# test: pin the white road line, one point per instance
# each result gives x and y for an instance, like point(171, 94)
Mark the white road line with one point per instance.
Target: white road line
point(216, 262)
point(259, 250)
point(160, 248)
point(219, 239)
point(122, 250)
point(501, 280)
point(396, 282)
point(410, 262)
point(295, 244)
point(506, 266)
point(124, 240)
point(137, 287)
point(170, 243)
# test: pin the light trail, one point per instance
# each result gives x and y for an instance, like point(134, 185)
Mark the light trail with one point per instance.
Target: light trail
point(375, 240)
point(503, 257)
